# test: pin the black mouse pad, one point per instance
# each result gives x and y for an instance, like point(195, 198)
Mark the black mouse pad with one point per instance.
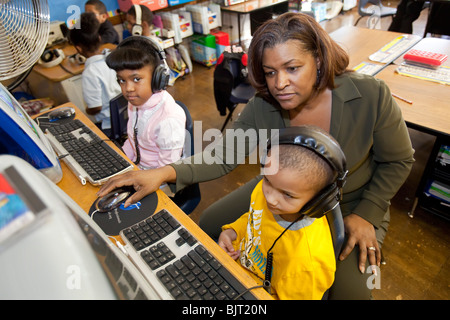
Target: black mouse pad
point(120, 218)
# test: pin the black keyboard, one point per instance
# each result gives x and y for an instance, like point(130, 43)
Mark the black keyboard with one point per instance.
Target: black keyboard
point(168, 253)
point(86, 154)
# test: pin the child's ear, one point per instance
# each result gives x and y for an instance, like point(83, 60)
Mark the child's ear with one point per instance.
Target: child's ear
point(103, 16)
point(79, 49)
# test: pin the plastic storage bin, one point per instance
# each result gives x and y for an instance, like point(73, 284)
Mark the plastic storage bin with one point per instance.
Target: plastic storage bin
point(222, 41)
point(205, 18)
point(203, 49)
point(180, 22)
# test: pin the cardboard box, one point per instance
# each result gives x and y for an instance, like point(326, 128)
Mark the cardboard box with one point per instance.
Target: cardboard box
point(203, 49)
point(153, 5)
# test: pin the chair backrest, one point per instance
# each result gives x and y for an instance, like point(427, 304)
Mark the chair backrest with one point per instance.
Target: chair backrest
point(189, 197)
point(227, 75)
point(189, 140)
point(362, 4)
point(118, 108)
point(336, 223)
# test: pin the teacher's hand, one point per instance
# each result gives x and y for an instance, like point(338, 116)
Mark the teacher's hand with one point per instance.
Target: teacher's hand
point(143, 181)
point(362, 233)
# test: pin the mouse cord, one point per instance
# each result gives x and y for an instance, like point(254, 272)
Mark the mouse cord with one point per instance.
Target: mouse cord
point(118, 244)
point(66, 70)
point(92, 214)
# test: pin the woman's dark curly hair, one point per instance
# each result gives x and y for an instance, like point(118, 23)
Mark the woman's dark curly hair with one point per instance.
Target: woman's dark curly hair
point(312, 37)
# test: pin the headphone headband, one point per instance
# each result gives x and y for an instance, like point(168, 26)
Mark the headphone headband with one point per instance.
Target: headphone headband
point(161, 74)
point(320, 143)
point(137, 27)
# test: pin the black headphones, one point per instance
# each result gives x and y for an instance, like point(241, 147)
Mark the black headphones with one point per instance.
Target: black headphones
point(161, 74)
point(328, 149)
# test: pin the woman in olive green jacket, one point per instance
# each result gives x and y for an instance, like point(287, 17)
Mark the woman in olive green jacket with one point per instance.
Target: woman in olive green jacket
point(301, 77)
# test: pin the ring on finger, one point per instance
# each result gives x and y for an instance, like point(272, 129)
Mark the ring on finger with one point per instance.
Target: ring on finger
point(372, 248)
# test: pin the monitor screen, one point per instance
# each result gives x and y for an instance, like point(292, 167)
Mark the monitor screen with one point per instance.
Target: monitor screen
point(59, 252)
point(20, 136)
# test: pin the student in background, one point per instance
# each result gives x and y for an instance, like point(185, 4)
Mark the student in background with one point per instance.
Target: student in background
point(285, 238)
point(98, 80)
point(106, 31)
point(139, 20)
point(156, 125)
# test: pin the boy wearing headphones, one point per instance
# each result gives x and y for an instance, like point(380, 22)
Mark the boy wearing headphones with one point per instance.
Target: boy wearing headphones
point(156, 123)
point(284, 241)
point(107, 32)
point(98, 81)
point(139, 20)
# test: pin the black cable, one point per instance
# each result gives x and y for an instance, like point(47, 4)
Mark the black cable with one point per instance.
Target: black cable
point(136, 143)
point(268, 273)
point(247, 290)
point(66, 70)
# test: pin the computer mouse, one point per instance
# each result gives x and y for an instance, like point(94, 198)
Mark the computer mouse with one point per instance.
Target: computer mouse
point(61, 113)
point(113, 199)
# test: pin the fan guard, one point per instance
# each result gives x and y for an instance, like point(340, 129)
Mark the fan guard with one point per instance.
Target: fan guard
point(24, 30)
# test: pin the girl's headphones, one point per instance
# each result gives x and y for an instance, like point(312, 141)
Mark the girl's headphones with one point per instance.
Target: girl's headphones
point(51, 58)
point(161, 74)
point(137, 27)
point(328, 149)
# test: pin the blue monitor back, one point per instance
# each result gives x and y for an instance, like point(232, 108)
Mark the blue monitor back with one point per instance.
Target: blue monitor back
point(20, 136)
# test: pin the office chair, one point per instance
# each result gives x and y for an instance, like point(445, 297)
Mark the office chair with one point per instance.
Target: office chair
point(119, 118)
point(230, 86)
point(189, 197)
point(369, 11)
point(436, 21)
point(336, 223)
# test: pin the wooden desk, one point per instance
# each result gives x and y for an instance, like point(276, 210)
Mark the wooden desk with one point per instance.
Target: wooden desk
point(430, 108)
point(429, 113)
point(61, 83)
point(360, 43)
point(254, 7)
point(67, 69)
point(85, 196)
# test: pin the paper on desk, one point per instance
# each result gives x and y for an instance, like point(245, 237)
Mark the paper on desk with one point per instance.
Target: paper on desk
point(395, 48)
point(368, 68)
point(441, 74)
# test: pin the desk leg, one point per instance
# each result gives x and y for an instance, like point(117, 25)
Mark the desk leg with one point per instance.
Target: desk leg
point(411, 213)
point(239, 29)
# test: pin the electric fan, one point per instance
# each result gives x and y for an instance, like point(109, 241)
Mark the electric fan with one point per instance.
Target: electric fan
point(24, 30)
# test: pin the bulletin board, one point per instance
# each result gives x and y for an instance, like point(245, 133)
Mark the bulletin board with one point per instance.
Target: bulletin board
point(61, 10)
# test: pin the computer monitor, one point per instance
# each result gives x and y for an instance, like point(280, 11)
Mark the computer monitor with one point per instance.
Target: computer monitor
point(21, 136)
point(51, 249)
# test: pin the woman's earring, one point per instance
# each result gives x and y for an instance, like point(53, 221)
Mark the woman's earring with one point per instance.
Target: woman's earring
point(318, 77)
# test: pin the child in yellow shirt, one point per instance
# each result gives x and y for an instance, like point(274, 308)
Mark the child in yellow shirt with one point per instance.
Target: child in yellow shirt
point(284, 241)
